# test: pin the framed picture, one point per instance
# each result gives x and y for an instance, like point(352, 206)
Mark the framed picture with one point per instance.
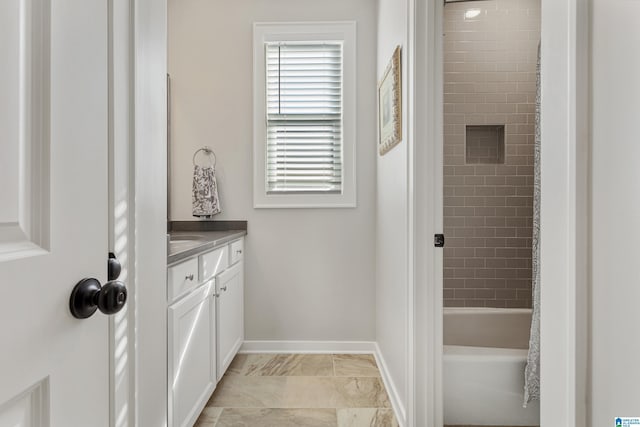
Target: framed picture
point(390, 105)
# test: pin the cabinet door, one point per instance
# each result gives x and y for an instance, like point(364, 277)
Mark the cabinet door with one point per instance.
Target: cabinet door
point(230, 322)
point(192, 355)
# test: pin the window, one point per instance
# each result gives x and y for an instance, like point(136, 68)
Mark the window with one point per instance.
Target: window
point(304, 115)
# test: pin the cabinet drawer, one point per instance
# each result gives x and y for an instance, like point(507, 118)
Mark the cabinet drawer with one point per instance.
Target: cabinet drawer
point(182, 278)
point(213, 263)
point(237, 251)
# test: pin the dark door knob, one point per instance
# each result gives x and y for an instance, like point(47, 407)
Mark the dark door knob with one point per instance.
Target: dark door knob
point(112, 297)
point(113, 267)
point(88, 296)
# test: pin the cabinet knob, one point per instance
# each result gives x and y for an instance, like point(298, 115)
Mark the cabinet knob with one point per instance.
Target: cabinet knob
point(189, 277)
point(223, 288)
point(239, 251)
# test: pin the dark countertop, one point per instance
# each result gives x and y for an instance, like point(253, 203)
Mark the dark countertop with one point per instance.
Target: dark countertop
point(187, 244)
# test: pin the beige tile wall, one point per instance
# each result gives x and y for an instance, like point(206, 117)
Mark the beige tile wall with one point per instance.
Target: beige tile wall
point(490, 64)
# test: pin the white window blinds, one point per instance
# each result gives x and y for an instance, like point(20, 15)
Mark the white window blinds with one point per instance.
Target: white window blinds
point(304, 96)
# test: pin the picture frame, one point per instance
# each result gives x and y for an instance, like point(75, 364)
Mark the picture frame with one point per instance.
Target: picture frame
point(390, 104)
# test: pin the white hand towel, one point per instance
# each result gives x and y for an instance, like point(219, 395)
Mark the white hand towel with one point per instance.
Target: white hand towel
point(205, 201)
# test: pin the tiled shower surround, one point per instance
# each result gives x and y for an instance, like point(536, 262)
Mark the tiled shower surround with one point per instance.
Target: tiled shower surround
point(490, 54)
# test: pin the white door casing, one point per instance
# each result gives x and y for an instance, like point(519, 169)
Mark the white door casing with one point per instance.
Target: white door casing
point(564, 212)
point(149, 21)
point(121, 211)
point(426, 175)
point(53, 219)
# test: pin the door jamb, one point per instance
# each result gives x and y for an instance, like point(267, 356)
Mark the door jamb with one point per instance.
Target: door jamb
point(122, 338)
point(425, 407)
point(564, 212)
point(138, 60)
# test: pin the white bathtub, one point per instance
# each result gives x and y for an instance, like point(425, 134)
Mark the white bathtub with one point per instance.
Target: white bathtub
point(485, 352)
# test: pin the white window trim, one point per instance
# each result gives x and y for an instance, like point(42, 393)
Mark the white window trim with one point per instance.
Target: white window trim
point(304, 31)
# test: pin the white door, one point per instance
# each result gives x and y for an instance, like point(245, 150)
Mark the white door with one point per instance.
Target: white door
point(54, 368)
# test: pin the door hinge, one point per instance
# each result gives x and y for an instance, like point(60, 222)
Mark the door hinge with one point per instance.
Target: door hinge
point(438, 240)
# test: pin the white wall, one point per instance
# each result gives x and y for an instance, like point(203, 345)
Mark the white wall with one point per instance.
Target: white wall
point(310, 273)
point(392, 215)
point(615, 210)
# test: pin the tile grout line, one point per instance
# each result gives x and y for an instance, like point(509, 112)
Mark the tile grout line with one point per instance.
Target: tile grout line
point(333, 364)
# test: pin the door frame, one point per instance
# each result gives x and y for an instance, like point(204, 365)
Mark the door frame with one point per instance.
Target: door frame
point(425, 152)
point(122, 360)
point(137, 85)
point(564, 218)
point(564, 233)
point(565, 53)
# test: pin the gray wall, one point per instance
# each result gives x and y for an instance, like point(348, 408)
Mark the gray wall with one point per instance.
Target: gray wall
point(392, 214)
point(310, 273)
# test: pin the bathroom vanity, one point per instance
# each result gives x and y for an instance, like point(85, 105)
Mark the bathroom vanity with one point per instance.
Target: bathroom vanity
point(205, 316)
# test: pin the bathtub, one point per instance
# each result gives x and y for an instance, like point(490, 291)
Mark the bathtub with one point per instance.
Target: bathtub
point(485, 352)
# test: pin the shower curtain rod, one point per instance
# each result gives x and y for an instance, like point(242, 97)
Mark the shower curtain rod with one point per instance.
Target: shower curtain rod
point(457, 1)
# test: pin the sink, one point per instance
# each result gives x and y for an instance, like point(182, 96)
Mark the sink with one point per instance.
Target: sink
point(179, 244)
point(184, 242)
point(186, 238)
point(176, 246)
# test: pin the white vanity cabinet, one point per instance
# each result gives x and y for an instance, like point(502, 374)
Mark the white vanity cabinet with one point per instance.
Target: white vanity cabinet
point(205, 327)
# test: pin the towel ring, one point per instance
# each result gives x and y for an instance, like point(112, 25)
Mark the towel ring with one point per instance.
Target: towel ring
point(209, 152)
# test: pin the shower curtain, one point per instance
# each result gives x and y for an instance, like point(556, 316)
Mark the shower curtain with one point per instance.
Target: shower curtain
point(532, 371)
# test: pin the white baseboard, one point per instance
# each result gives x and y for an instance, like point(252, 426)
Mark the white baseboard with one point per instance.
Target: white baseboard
point(303, 347)
point(396, 403)
point(340, 347)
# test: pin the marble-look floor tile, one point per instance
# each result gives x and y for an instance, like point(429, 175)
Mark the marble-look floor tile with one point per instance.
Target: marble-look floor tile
point(277, 365)
point(251, 417)
point(334, 392)
point(312, 365)
point(208, 417)
point(235, 391)
point(366, 417)
point(248, 364)
point(355, 365)
point(299, 392)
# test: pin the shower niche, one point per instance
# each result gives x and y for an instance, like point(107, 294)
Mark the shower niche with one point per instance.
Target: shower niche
point(484, 144)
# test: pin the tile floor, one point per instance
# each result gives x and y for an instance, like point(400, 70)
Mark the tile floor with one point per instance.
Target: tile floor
point(296, 390)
